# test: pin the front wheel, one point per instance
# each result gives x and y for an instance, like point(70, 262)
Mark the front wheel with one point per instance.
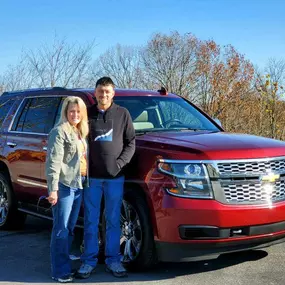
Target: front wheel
point(137, 243)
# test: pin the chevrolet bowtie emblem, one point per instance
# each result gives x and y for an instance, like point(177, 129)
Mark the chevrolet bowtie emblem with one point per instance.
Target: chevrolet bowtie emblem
point(270, 177)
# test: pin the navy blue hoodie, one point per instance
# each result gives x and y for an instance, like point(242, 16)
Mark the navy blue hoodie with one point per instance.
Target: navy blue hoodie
point(111, 141)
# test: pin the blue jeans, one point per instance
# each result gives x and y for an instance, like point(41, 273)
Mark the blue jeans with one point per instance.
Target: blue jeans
point(113, 190)
point(65, 214)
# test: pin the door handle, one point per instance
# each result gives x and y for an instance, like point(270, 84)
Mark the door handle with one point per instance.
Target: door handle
point(11, 144)
point(44, 148)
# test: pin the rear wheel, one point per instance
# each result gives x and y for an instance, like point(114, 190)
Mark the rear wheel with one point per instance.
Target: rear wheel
point(10, 217)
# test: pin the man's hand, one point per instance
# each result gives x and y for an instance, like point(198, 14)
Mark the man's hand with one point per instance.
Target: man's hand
point(52, 198)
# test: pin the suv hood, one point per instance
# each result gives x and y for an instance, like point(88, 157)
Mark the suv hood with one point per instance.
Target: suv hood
point(218, 145)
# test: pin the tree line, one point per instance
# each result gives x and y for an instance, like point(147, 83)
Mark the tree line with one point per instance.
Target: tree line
point(219, 79)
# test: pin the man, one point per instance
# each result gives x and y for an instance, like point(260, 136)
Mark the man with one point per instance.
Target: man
point(112, 145)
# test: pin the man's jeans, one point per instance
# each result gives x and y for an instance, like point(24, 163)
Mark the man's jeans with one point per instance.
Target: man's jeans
point(65, 214)
point(113, 194)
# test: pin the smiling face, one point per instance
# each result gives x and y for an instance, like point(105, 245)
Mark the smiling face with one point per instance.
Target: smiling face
point(73, 114)
point(104, 95)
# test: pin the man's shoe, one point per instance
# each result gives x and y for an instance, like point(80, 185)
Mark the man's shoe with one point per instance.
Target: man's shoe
point(117, 269)
point(84, 271)
point(63, 279)
point(74, 257)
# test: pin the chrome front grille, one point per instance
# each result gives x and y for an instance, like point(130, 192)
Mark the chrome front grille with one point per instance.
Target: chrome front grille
point(249, 181)
point(254, 193)
point(251, 167)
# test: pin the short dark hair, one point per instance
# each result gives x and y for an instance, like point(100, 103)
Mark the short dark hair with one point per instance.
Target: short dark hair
point(104, 81)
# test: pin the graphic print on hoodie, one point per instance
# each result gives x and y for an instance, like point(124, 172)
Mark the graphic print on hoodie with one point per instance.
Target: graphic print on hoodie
point(104, 131)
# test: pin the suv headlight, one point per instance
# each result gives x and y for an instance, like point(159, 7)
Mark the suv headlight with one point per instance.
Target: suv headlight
point(192, 180)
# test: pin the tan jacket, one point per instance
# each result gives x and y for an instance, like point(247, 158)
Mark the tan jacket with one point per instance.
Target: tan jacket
point(63, 158)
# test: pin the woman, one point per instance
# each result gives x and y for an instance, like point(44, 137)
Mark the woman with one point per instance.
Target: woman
point(67, 174)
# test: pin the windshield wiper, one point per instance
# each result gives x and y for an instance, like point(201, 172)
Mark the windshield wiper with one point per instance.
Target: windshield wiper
point(145, 131)
point(197, 130)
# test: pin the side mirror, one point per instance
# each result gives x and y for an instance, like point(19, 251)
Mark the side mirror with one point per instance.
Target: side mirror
point(218, 122)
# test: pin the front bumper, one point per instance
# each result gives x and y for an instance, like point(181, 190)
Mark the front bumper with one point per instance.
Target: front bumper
point(208, 232)
point(182, 252)
point(225, 222)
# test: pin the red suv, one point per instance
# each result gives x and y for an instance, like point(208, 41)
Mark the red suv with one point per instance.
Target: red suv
point(192, 190)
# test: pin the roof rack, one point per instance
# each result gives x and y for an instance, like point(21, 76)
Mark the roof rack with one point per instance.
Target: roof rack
point(33, 90)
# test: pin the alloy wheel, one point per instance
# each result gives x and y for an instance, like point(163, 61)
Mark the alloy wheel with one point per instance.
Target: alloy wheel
point(131, 233)
point(3, 203)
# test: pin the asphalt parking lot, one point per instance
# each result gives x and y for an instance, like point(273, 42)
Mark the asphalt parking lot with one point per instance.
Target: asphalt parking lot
point(24, 259)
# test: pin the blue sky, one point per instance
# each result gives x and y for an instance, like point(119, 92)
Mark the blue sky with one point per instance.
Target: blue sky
point(256, 28)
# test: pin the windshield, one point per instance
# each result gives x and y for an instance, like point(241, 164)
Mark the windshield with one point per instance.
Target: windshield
point(152, 114)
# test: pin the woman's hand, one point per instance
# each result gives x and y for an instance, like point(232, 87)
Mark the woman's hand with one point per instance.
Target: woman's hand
point(52, 198)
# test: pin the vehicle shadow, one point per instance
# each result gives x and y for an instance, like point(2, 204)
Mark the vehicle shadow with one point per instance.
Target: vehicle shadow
point(25, 258)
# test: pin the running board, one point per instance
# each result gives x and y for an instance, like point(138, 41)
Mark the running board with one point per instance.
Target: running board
point(40, 215)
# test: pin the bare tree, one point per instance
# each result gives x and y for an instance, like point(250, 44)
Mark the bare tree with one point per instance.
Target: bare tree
point(60, 64)
point(52, 64)
point(122, 64)
point(17, 77)
point(270, 94)
point(276, 69)
point(169, 61)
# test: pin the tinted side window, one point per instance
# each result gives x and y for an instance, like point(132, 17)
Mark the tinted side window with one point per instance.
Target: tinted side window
point(38, 115)
point(19, 121)
point(5, 105)
point(59, 111)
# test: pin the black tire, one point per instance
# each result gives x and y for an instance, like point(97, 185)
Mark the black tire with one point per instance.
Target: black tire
point(10, 217)
point(146, 257)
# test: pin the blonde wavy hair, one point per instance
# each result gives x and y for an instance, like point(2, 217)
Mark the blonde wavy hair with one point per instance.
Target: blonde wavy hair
point(83, 125)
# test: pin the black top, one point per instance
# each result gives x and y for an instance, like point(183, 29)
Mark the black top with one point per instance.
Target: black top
point(111, 141)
